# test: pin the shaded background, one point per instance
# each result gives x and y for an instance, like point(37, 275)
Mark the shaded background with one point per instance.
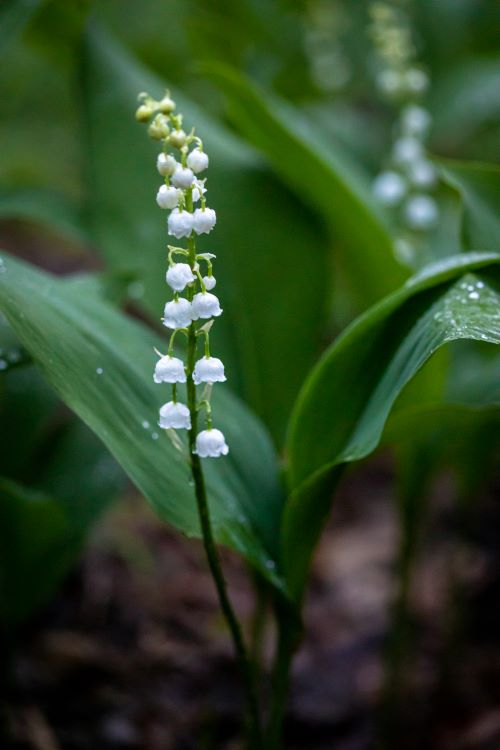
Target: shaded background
point(113, 638)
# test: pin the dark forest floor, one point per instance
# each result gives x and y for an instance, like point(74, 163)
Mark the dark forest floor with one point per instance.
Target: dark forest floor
point(133, 653)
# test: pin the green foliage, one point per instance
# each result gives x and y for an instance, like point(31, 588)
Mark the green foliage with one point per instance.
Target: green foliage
point(100, 363)
point(340, 414)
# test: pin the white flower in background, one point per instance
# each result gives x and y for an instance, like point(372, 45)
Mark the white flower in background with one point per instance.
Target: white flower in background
point(389, 188)
point(178, 313)
point(422, 174)
point(421, 212)
point(211, 444)
point(389, 82)
point(204, 220)
point(209, 282)
point(205, 305)
point(174, 416)
point(197, 160)
point(415, 120)
point(416, 81)
point(406, 150)
point(179, 276)
point(208, 370)
point(180, 223)
point(168, 197)
point(182, 178)
point(169, 370)
point(166, 164)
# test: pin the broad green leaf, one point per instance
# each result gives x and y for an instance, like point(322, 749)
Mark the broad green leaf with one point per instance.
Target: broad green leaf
point(275, 312)
point(343, 406)
point(321, 174)
point(479, 188)
point(100, 363)
point(44, 526)
point(46, 207)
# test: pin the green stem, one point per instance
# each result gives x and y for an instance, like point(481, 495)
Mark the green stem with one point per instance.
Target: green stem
point(289, 632)
point(255, 732)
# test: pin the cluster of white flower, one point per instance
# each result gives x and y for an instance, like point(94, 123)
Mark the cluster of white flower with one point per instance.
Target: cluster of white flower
point(405, 186)
point(180, 193)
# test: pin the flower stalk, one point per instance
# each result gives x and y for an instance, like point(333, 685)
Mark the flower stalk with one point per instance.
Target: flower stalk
point(193, 301)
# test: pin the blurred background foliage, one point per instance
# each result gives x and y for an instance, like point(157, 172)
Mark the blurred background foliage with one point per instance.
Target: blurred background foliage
point(283, 95)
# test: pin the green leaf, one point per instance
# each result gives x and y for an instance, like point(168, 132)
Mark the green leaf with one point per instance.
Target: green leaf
point(270, 336)
point(343, 406)
point(322, 174)
point(43, 527)
point(14, 16)
point(479, 188)
point(100, 363)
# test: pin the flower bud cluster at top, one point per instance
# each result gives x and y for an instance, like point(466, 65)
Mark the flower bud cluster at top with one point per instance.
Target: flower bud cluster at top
point(189, 274)
point(406, 184)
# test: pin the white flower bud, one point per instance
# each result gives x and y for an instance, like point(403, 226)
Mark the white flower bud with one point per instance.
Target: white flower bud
point(209, 282)
point(178, 313)
point(168, 197)
point(390, 82)
point(389, 188)
point(179, 275)
point(177, 138)
point(421, 212)
point(180, 223)
point(197, 160)
point(174, 416)
point(422, 174)
point(211, 444)
point(406, 150)
point(415, 120)
point(205, 305)
point(159, 127)
point(182, 178)
point(166, 164)
point(169, 370)
point(204, 220)
point(143, 113)
point(199, 189)
point(416, 81)
point(208, 370)
point(166, 105)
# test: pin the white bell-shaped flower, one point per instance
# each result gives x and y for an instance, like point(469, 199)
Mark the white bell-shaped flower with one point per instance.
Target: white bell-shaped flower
point(204, 220)
point(422, 174)
point(415, 120)
point(168, 196)
point(209, 282)
point(177, 138)
point(166, 164)
point(169, 370)
point(174, 416)
point(389, 188)
point(178, 313)
point(407, 150)
point(209, 370)
point(182, 178)
point(199, 189)
point(180, 223)
point(205, 305)
point(416, 81)
point(211, 444)
point(197, 160)
point(421, 212)
point(179, 276)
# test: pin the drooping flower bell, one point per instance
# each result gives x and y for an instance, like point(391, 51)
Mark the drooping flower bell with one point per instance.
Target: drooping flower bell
point(180, 223)
point(209, 370)
point(179, 275)
point(206, 305)
point(169, 369)
point(178, 313)
point(174, 416)
point(211, 443)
